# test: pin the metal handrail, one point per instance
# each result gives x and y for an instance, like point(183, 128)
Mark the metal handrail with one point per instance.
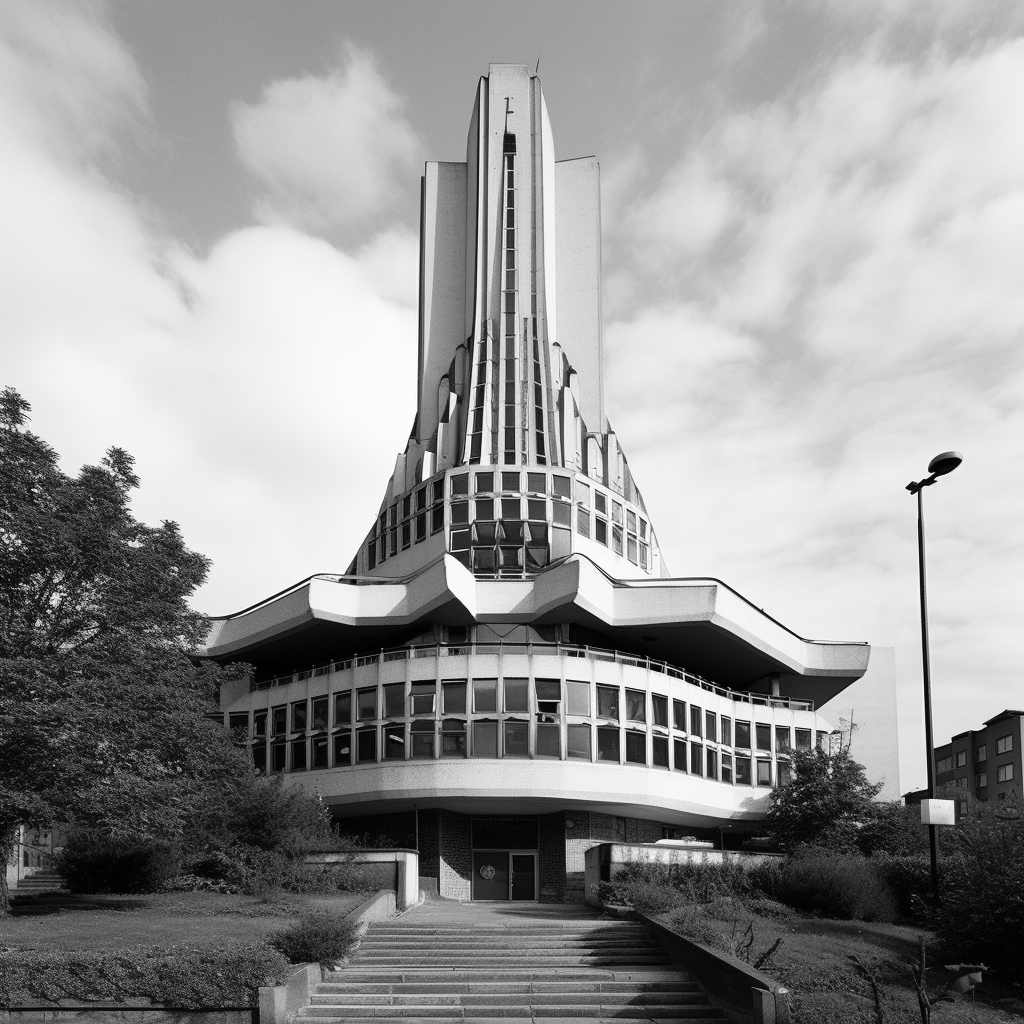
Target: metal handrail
point(533, 648)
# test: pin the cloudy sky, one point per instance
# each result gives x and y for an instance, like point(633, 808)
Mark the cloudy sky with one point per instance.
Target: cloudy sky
point(814, 257)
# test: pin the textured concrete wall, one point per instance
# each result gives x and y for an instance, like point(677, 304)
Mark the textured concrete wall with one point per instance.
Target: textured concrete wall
point(551, 857)
point(456, 856)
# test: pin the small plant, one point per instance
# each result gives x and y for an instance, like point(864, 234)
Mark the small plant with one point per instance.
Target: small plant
point(317, 937)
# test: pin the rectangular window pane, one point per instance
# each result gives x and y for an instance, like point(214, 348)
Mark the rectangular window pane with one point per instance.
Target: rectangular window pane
point(421, 699)
point(711, 726)
point(485, 739)
point(726, 767)
point(460, 484)
point(743, 770)
point(320, 752)
point(803, 739)
point(319, 712)
point(454, 698)
point(394, 700)
point(608, 702)
point(712, 763)
point(660, 751)
point(517, 739)
point(679, 715)
point(485, 695)
point(636, 747)
point(560, 513)
point(549, 741)
point(764, 736)
point(516, 695)
point(727, 731)
point(578, 741)
point(981, 754)
point(342, 749)
point(510, 481)
point(579, 698)
point(549, 696)
point(453, 738)
point(259, 758)
point(299, 756)
point(607, 744)
point(636, 706)
point(679, 755)
point(782, 738)
point(279, 720)
point(421, 738)
point(366, 702)
point(601, 502)
point(366, 745)
point(764, 773)
point(394, 742)
point(742, 735)
point(696, 759)
point(299, 716)
point(483, 483)
point(278, 755)
point(696, 720)
point(659, 708)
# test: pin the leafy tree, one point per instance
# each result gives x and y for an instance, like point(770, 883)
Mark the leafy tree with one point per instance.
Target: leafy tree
point(826, 804)
point(102, 711)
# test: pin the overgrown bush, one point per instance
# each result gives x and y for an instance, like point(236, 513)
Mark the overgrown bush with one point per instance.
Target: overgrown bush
point(909, 879)
point(981, 916)
point(843, 886)
point(92, 862)
point(183, 976)
point(317, 937)
point(659, 887)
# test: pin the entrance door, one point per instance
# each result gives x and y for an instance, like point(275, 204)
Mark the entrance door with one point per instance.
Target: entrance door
point(490, 876)
point(524, 876)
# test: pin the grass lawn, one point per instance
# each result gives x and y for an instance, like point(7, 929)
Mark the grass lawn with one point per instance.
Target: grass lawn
point(62, 921)
point(815, 961)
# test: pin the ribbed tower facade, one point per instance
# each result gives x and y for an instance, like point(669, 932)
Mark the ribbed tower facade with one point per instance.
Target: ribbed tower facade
point(510, 377)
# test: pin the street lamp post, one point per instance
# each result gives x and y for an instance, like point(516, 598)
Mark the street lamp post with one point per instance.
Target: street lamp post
point(939, 466)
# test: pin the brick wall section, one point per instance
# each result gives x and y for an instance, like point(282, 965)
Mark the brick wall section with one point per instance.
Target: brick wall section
point(589, 828)
point(551, 855)
point(430, 845)
point(456, 856)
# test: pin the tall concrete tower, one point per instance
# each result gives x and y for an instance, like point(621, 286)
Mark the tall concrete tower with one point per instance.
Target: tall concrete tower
point(510, 375)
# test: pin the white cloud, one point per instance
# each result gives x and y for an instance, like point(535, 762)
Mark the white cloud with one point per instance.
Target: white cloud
point(247, 382)
point(334, 151)
point(863, 235)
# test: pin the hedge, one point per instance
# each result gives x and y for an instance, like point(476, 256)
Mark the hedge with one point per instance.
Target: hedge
point(181, 976)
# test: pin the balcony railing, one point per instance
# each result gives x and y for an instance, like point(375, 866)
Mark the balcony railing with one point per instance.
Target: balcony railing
point(539, 649)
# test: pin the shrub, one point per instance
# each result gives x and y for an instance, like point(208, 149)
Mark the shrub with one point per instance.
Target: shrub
point(317, 937)
point(184, 976)
point(909, 879)
point(93, 862)
point(981, 916)
point(846, 887)
point(659, 887)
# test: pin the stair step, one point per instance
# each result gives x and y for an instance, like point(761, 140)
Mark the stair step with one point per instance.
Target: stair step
point(589, 1010)
point(508, 998)
point(428, 987)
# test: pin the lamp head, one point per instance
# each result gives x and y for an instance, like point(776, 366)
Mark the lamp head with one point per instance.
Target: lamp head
point(945, 463)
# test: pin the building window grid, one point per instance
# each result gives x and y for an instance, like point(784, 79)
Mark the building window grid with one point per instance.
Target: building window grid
point(418, 736)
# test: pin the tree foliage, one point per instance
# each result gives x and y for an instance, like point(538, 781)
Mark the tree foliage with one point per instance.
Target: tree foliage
point(826, 804)
point(102, 710)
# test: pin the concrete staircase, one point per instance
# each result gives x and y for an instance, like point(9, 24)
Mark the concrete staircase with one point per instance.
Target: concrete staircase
point(587, 971)
point(46, 880)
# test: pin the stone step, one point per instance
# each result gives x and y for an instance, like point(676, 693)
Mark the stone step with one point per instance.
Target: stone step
point(552, 998)
point(376, 942)
point(588, 1011)
point(594, 931)
point(471, 984)
point(356, 974)
point(514, 963)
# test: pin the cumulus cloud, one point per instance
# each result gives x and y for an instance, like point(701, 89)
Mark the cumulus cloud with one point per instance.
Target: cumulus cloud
point(246, 381)
point(334, 151)
point(844, 265)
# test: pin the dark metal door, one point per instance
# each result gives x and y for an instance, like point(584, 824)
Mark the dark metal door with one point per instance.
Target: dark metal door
point(490, 876)
point(524, 876)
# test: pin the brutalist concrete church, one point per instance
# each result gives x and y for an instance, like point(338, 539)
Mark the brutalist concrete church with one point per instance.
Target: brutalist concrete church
point(507, 673)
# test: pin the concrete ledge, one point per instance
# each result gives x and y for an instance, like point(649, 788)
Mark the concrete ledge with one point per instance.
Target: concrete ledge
point(741, 992)
point(406, 863)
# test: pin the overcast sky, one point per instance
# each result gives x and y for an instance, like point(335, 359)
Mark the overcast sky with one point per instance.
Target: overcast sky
point(813, 220)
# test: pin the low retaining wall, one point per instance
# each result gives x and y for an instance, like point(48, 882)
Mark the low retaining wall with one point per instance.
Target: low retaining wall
point(395, 869)
point(604, 861)
point(739, 990)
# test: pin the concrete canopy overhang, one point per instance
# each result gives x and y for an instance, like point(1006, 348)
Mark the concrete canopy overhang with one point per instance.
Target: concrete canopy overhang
point(700, 625)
